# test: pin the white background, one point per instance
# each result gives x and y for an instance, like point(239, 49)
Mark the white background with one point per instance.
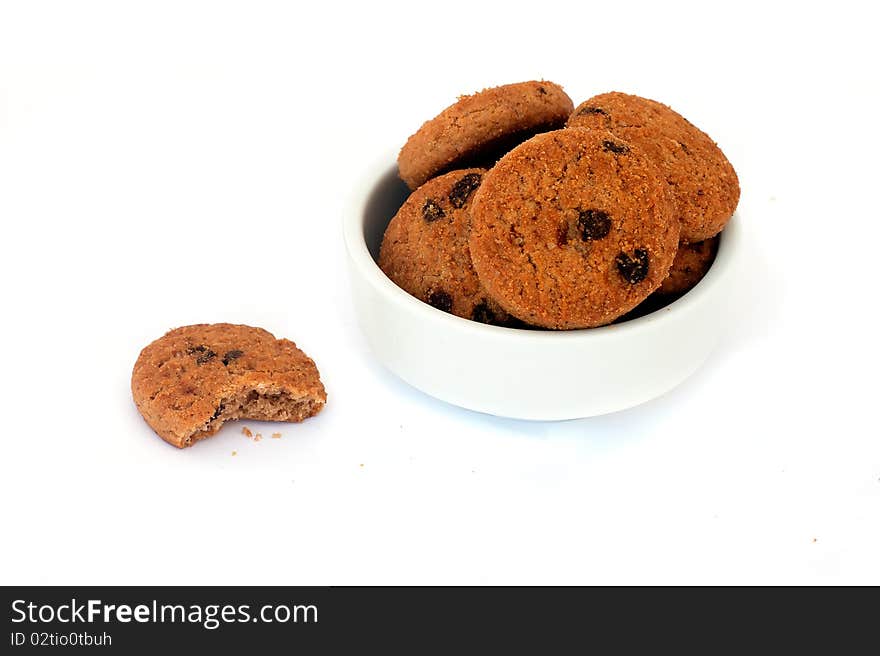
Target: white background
point(171, 163)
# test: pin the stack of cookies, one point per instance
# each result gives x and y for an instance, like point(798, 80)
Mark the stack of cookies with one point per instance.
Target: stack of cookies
point(528, 212)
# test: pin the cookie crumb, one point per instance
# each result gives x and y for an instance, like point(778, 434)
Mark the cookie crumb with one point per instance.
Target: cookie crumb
point(362, 465)
point(258, 437)
point(276, 435)
point(235, 453)
point(246, 432)
point(815, 540)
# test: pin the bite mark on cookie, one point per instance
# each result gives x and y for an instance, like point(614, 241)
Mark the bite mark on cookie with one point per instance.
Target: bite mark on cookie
point(257, 405)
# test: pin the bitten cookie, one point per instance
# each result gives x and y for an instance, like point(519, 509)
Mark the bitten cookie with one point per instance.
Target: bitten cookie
point(572, 229)
point(689, 266)
point(479, 129)
point(425, 248)
point(188, 383)
point(704, 183)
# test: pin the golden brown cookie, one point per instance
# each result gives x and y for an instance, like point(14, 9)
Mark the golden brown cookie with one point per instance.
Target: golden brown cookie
point(689, 266)
point(479, 129)
point(188, 383)
point(704, 183)
point(425, 248)
point(572, 229)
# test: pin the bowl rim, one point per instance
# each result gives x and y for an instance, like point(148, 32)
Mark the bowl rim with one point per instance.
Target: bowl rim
point(367, 268)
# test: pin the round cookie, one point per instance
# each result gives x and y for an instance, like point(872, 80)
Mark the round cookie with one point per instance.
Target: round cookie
point(189, 382)
point(572, 229)
point(691, 263)
point(425, 248)
point(478, 129)
point(704, 183)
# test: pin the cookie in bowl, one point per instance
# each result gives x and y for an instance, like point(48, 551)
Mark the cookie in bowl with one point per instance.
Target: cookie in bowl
point(704, 183)
point(425, 248)
point(572, 229)
point(478, 129)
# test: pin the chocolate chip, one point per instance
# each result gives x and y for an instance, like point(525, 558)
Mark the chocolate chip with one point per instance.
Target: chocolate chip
point(231, 355)
point(207, 356)
point(217, 412)
point(431, 211)
point(463, 189)
point(592, 110)
point(192, 350)
point(440, 300)
point(593, 224)
point(633, 269)
point(483, 313)
point(562, 234)
point(514, 237)
point(542, 91)
point(684, 148)
point(615, 148)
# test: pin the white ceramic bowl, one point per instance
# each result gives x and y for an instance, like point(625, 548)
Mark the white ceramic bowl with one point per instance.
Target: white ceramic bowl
point(527, 374)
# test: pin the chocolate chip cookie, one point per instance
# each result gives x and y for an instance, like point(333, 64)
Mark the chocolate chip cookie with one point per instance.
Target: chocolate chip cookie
point(572, 229)
point(425, 248)
point(478, 129)
point(191, 381)
point(704, 184)
point(691, 263)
